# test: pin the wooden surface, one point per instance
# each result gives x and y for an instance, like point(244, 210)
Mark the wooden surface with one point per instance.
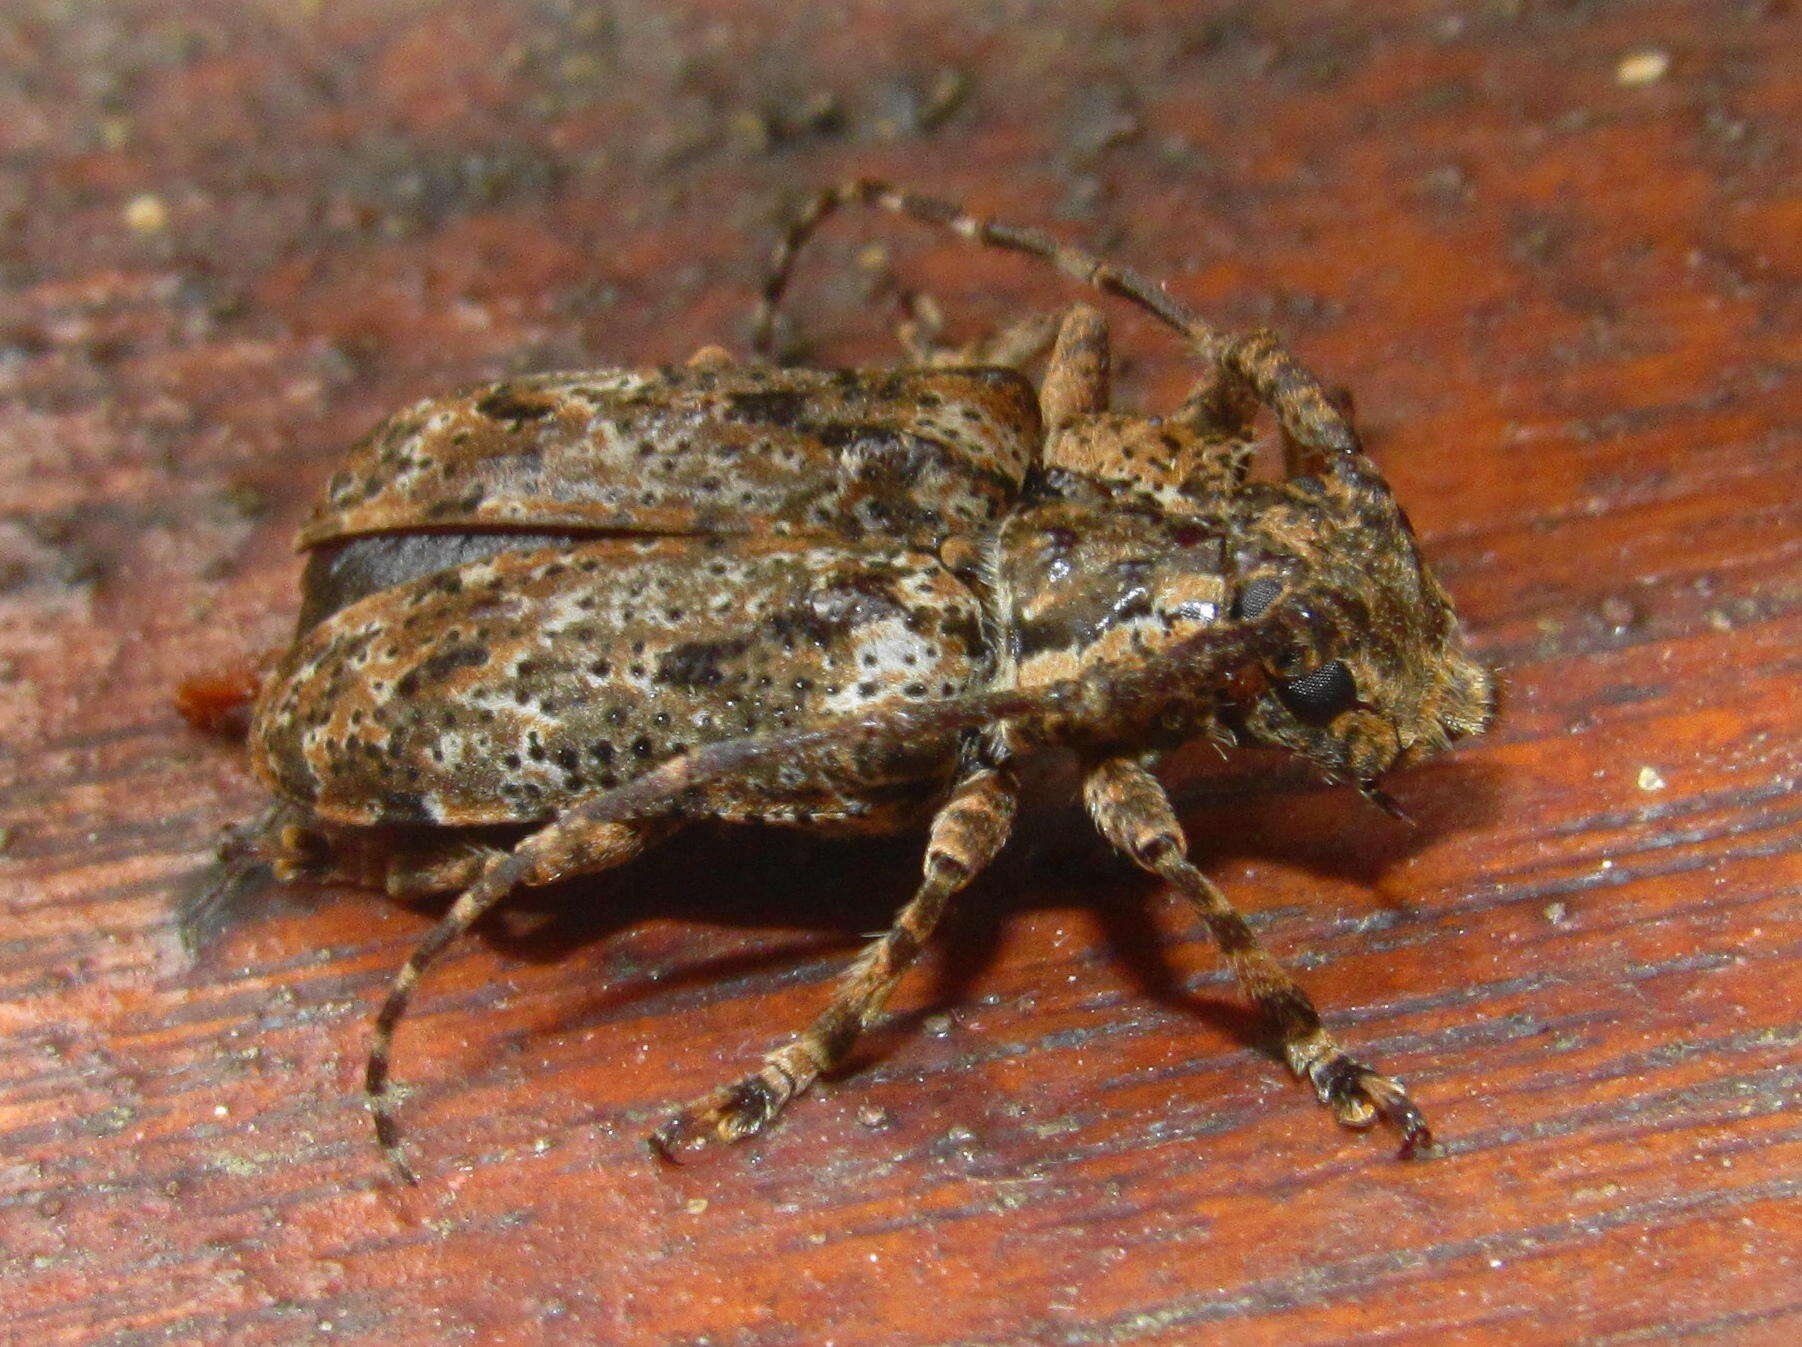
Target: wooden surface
point(1566, 286)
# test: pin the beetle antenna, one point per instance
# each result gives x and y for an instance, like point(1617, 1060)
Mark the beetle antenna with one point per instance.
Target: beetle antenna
point(1254, 360)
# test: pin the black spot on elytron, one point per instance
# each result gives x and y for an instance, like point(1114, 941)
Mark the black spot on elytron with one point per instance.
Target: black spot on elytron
point(437, 666)
point(515, 407)
point(399, 806)
point(1052, 632)
point(768, 406)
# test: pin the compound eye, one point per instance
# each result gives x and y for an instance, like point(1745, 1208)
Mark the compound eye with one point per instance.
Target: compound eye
point(1258, 596)
point(1323, 694)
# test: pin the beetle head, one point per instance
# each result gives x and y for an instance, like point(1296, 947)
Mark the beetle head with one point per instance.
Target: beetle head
point(1378, 676)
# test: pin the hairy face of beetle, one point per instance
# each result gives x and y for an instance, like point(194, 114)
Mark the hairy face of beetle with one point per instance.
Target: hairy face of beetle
point(1393, 684)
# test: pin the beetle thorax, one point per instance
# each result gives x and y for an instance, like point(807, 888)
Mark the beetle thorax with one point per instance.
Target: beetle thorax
point(1086, 578)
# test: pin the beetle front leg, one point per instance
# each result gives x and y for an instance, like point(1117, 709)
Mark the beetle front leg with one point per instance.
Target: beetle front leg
point(966, 834)
point(1133, 812)
point(1311, 418)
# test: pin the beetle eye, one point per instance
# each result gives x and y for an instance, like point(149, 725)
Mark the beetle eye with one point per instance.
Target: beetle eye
point(1258, 595)
point(1322, 694)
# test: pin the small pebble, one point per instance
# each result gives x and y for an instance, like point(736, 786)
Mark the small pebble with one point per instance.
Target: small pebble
point(1643, 67)
point(1649, 779)
point(1556, 913)
point(873, 1117)
point(1619, 613)
point(695, 1206)
point(146, 214)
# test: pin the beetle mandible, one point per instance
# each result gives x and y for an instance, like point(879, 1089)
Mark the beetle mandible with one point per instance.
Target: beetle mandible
point(600, 604)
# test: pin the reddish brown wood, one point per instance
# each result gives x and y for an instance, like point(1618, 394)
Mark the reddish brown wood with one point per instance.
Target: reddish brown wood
point(1571, 309)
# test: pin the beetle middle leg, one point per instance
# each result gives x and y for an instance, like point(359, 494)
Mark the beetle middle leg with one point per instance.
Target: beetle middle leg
point(1133, 812)
point(966, 833)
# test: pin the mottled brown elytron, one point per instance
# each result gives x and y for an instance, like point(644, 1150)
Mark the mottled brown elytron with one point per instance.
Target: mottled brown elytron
point(600, 604)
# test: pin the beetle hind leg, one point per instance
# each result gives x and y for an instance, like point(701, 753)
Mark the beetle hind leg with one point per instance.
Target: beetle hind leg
point(1132, 811)
point(1014, 346)
point(560, 850)
point(966, 834)
point(399, 865)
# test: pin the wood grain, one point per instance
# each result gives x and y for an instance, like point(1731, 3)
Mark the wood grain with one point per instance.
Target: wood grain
point(1569, 301)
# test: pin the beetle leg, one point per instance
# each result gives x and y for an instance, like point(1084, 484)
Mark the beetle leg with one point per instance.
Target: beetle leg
point(374, 859)
point(212, 900)
point(1076, 381)
point(557, 851)
point(413, 874)
point(919, 328)
point(966, 833)
point(1013, 347)
point(710, 357)
point(1222, 406)
point(1130, 808)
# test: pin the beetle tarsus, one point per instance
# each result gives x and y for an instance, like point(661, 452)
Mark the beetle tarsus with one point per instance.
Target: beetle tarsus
point(731, 1113)
point(1359, 1097)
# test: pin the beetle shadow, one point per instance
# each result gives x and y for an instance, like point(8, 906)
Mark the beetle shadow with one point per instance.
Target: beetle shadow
point(828, 896)
point(810, 896)
point(1262, 813)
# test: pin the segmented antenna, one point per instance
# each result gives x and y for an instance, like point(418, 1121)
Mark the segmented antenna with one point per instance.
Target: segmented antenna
point(1256, 358)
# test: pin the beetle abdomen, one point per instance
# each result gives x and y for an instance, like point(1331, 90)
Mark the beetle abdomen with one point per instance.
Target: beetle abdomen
point(497, 690)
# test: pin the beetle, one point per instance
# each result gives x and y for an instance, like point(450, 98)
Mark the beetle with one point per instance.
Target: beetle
point(602, 604)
